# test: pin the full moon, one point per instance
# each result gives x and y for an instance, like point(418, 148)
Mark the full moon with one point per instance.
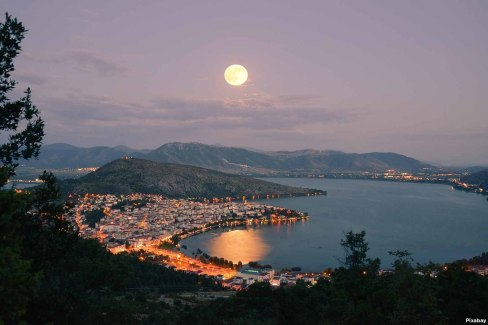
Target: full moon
point(235, 75)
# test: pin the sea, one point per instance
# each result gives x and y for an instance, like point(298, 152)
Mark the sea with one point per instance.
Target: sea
point(431, 221)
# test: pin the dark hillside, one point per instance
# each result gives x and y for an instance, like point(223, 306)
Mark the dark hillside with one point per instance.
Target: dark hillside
point(124, 176)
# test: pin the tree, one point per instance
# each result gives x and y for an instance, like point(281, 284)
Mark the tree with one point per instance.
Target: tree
point(21, 125)
point(409, 298)
point(356, 248)
point(18, 283)
point(403, 261)
point(20, 122)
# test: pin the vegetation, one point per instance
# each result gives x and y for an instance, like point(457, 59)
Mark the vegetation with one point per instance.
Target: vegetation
point(477, 260)
point(125, 176)
point(231, 160)
point(166, 244)
point(256, 265)
point(356, 294)
point(219, 261)
point(131, 204)
point(479, 178)
point(20, 123)
point(48, 274)
point(93, 216)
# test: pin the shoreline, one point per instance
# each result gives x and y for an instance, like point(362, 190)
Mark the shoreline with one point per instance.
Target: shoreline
point(165, 249)
point(242, 222)
point(456, 185)
point(231, 224)
point(276, 201)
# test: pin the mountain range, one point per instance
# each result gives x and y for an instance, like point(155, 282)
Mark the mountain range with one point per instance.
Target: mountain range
point(229, 159)
point(133, 175)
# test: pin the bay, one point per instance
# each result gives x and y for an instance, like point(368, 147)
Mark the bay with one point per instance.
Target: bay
point(432, 221)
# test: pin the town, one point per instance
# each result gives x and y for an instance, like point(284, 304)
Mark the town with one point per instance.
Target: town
point(152, 226)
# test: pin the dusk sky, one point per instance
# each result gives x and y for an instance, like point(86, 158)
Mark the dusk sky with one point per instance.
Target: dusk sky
point(358, 76)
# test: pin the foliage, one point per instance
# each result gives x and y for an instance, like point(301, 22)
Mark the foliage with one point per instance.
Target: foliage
point(354, 297)
point(50, 274)
point(18, 282)
point(126, 176)
point(356, 248)
point(462, 293)
point(477, 260)
point(93, 216)
point(129, 203)
point(256, 265)
point(14, 114)
point(167, 245)
point(219, 261)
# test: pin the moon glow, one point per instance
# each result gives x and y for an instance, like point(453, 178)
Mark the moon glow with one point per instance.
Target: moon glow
point(235, 75)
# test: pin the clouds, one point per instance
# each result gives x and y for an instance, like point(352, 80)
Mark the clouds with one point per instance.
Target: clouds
point(30, 78)
point(265, 122)
point(90, 61)
point(185, 119)
point(251, 112)
point(253, 120)
point(314, 80)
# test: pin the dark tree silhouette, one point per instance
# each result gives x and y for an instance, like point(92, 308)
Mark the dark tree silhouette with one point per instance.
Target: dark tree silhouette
point(356, 248)
point(20, 124)
point(22, 130)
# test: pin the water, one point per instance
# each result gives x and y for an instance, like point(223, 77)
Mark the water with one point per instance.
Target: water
point(432, 221)
point(19, 186)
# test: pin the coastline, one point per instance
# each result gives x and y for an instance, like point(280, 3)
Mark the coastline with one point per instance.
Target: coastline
point(353, 193)
point(235, 223)
point(226, 223)
point(152, 226)
point(454, 183)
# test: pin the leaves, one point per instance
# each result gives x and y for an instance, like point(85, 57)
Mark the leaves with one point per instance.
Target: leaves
point(20, 122)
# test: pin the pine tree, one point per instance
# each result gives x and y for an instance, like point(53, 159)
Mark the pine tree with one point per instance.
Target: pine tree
point(20, 122)
point(21, 125)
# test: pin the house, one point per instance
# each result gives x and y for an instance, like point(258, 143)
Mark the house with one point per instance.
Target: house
point(260, 275)
point(480, 269)
point(276, 281)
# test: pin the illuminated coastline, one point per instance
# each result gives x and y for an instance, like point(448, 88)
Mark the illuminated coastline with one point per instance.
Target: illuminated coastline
point(152, 225)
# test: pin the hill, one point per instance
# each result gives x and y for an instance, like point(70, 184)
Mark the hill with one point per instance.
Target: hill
point(337, 161)
point(62, 155)
point(124, 176)
point(478, 178)
point(226, 159)
point(238, 160)
point(231, 159)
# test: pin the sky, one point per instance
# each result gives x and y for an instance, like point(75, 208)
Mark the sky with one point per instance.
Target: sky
point(359, 76)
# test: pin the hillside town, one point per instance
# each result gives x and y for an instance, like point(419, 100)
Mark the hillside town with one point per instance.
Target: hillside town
point(152, 225)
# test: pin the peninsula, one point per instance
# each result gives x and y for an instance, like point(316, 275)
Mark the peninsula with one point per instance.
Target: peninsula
point(132, 175)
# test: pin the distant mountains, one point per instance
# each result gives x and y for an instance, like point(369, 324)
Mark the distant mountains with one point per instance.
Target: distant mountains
point(229, 159)
point(479, 178)
point(124, 176)
point(61, 155)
